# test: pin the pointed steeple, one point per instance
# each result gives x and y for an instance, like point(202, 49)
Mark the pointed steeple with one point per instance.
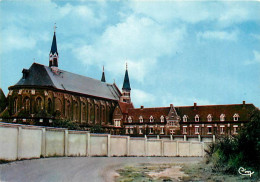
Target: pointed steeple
point(54, 55)
point(126, 89)
point(103, 79)
point(126, 84)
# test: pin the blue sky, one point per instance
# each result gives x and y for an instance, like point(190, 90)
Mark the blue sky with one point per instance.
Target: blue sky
point(177, 52)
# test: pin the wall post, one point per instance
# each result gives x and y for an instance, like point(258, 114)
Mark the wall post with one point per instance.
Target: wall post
point(128, 146)
point(88, 144)
point(19, 142)
point(162, 148)
point(214, 138)
point(177, 148)
point(171, 137)
point(66, 142)
point(108, 145)
point(43, 148)
point(199, 138)
point(184, 138)
point(145, 145)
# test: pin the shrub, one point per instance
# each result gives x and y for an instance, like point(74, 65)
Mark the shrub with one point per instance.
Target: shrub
point(229, 153)
point(65, 124)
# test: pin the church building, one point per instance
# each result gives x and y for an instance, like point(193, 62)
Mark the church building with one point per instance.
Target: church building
point(51, 93)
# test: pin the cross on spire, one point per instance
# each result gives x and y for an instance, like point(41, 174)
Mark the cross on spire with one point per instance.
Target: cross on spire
point(55, 27)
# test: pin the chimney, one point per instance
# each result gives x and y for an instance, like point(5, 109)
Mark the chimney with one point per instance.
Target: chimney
point(25, 73)
point(244, 104)
point(195, 106)
point(142, 107)
point(171, 105)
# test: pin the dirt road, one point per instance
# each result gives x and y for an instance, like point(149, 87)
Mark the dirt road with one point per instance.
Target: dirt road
point(90, 169)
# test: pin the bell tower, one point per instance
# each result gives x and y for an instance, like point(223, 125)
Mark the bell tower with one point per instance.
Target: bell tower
point(54, 55)
point(126, 89)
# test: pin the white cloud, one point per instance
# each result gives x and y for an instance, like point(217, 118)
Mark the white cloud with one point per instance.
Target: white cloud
point(140, 97)
point(218, 35)
point(140, 41)
point(222, 12)
point(256, 58)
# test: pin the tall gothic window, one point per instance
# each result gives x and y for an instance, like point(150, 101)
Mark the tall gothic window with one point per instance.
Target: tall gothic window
point(49, 109)
point(15, 105)
point(38, 104)
point(68, 109)
point(27, 104)
point(75, 111)
point(84, 112)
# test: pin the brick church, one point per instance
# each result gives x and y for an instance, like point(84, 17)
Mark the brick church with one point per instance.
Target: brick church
point(45, 93)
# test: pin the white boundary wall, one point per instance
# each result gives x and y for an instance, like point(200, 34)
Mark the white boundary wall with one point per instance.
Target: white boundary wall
point(26, 142)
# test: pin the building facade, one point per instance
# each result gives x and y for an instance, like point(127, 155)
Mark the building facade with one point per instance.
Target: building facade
point(188, 120)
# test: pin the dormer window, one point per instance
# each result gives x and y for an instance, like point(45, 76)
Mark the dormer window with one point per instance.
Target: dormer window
point(162, 119)
point(141, 119)
point(185, 118)
point(235, 117)
point(222, 117)
point(209, 117)
point(129, 119)
point(151, 119)
point(197, 118)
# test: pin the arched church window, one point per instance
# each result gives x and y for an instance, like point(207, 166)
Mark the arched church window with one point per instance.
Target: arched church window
point(84, 112)
point(68, 109)
point(27, 104)
point(75, 112)
point(15, 107)
point(38, 104)
point(49, 109)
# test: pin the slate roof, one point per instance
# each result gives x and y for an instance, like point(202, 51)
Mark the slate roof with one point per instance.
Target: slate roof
point(243, 111)
point(126, 84)
point(40, 75)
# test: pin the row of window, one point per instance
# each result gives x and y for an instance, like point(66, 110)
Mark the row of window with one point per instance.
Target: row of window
point(141, 120)
point(209, 117)
point(141, 130)
point(209, 129)
point(185, 118)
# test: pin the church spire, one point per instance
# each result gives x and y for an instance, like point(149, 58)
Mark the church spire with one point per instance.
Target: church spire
point(126, 89)
point(103, 79)
point(126, 84)
point(54, 55)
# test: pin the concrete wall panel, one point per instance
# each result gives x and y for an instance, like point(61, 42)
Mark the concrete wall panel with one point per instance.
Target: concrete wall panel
point(98, 145)
point(31, 142)
point(170, 148)
point(184, 148)
point(137, 147)
point(77, 144)
point(8, 143)
point(118, 146)
point(55, 143)
point(196, 149)
point(154, 148)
